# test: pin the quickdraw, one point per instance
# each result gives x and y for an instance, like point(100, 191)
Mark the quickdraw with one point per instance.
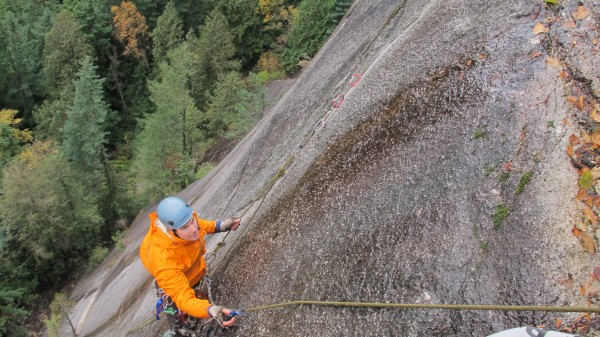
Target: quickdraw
point(355, 79)
point(159, 308)
point(163, 304)
point(337, 102)
point(236, 312)
point(208, 286)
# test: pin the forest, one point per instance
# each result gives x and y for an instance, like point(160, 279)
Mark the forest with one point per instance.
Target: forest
point(106, 106)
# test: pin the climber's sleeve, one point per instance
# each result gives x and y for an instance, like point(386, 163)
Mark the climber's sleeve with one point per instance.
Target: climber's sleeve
point(175, 284)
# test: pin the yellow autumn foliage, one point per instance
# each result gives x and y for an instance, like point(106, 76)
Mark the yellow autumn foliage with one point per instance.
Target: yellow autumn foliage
point(7, 117)
point(34, 154)
point(276, 13)
point(130, 28)
point(269, 61)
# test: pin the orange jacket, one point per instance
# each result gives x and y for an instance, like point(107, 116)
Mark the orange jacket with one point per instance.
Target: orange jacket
point(177, 264)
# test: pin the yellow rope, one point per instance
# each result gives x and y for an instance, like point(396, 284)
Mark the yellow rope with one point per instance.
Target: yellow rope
point(431, 306)
point(409, 306)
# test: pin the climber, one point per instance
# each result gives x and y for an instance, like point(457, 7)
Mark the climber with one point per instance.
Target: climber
point(173, 252)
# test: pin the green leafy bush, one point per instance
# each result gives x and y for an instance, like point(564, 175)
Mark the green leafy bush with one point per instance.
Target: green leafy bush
point(118, 239)
point(266, 76)
point(204, 169)
point(58, 308)
point(98, 255)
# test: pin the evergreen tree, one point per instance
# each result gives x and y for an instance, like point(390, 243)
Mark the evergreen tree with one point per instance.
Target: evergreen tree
point(229, 109)
point(341, 6)
point(64, 48)
point(192, 12)
point(170, 138)
point(213, 55)
point(308, 32)
point(153, 9)
point(10, 311)
point(247, 29)
point(167, 34)
point(84, 129)
point(51, 115)
point(95, 19)
point(49, 219)
point(83, 142)
point(22, 27)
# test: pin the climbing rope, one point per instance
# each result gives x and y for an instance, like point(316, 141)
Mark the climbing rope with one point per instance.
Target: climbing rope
point(532, 308)
point(145, 323)
point(429, 306)
point(335, 104)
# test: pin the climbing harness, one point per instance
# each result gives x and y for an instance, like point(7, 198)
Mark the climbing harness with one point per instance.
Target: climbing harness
point(178, 320)
point(164, 303)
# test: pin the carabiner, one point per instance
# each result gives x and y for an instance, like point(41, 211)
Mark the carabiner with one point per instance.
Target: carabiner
point(355, 79)
point(337, 102)
point(236, 312)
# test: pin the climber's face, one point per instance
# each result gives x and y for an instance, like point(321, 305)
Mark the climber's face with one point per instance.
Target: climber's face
point(189, 231)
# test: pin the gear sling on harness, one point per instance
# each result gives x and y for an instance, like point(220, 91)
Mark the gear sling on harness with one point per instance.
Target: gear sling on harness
point(165, 304)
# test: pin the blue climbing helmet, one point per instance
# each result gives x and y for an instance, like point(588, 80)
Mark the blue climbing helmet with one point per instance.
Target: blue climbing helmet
point(173, 212)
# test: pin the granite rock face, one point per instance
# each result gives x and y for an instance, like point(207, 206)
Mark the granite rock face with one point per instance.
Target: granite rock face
point(442, 177)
